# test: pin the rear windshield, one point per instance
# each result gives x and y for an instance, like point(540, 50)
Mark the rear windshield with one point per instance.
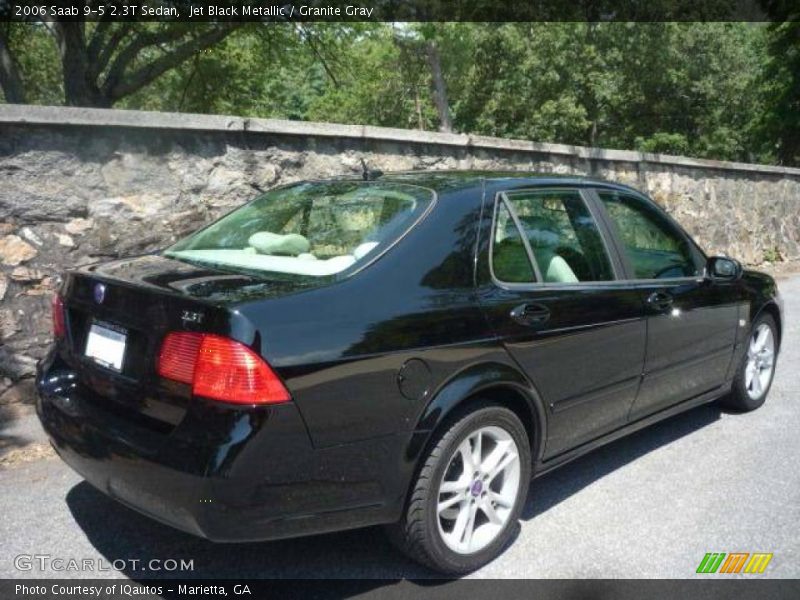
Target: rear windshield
point(310, 229)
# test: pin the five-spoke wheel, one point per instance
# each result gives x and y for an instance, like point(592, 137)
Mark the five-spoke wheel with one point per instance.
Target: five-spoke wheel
point(478, 490)
point(756, 371)
point(465, 503)
point(760, 361)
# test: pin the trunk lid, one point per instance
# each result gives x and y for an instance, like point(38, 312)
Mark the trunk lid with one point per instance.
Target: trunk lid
point(142, 299)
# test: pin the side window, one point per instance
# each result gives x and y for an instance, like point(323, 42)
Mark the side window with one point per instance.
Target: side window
point(655, 249)
point(563, 236)
point(510, 261)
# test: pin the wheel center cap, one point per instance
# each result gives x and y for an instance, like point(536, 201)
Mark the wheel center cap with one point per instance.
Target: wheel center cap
point(476, 488)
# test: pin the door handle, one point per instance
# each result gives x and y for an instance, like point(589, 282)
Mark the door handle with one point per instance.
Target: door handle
point(530, 314)
point(660, 301)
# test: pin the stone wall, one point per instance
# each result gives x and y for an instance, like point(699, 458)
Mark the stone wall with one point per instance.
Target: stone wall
point(82, 185)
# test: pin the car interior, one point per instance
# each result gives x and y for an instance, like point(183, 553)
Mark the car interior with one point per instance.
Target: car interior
point(564, 240)
point(316, 236)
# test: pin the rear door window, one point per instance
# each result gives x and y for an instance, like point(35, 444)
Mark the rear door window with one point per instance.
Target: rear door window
point(560, 234)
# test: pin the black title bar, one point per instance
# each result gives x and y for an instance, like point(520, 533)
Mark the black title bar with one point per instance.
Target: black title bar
point(399, 10)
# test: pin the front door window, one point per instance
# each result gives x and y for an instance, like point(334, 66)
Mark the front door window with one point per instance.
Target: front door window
point(653, 247)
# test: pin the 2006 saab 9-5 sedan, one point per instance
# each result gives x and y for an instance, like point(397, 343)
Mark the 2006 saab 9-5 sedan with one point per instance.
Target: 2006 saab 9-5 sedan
point(408, 349)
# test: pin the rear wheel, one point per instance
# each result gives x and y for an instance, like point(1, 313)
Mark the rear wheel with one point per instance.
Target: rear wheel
point(754, 377)
point(465, 503)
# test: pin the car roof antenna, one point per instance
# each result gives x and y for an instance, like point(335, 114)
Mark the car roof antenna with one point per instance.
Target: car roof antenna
point(369, 174)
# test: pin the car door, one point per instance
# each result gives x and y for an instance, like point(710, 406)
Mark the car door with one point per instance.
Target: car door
point(691, 321)
point(551, 292)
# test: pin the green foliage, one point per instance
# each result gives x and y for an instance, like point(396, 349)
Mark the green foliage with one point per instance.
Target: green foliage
point(663, 143)
point(780, 122)
point(659, 87)
point(39, 64)
point(772, 255)
point(251, 73)
point(382, 83)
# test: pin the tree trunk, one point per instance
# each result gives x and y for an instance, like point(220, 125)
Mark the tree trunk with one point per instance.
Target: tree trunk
point(418, 109)
point(79, 89)
point(438, 87)
point(10, 79)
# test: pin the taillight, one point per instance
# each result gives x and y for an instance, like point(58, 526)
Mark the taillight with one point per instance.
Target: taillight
point(219, 368)
point(59, 324)
point(178, 356)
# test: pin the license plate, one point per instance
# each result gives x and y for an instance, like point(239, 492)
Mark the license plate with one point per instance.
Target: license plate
point(106, 346)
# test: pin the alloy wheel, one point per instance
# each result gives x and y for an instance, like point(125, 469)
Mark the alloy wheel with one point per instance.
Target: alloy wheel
point(760, 361)
point(478, 490)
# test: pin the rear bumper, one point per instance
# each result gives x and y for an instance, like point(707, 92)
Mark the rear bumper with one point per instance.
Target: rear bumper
point(228, 474)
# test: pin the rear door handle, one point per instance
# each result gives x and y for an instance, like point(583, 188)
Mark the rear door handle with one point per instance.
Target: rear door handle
point(530, 314)
point(660, 301)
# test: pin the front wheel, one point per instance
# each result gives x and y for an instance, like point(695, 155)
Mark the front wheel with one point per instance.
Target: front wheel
point(465, 503)
point(754, 377)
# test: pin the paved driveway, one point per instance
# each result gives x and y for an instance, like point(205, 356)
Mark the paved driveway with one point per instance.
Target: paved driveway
point(650, 505)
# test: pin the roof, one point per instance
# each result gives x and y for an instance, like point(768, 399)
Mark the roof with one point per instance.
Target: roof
point(457, 180)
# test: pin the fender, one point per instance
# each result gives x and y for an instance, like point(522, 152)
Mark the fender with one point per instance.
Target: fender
point(469, 382)
point(762, 294)
point(759, 293)
point(769, 305)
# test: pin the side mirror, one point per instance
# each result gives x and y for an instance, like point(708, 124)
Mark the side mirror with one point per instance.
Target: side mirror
point(723, 268)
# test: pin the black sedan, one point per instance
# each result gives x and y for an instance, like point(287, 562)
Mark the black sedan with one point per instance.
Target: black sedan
point(407, 349)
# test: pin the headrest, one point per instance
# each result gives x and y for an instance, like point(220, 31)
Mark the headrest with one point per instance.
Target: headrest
point(291, 244)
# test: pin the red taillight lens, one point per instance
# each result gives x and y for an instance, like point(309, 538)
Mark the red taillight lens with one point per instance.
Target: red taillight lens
point(219, 368)
point(178, 356)
point(59, 323)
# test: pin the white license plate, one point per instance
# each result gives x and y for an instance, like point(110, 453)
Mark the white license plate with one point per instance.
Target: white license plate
point(106, 346)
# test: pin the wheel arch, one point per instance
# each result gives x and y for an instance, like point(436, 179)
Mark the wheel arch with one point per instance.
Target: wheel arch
point(771, 308)
point(495, 381)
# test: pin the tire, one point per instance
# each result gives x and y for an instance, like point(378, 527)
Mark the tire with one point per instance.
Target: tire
point(430, 536)
point(754, 377)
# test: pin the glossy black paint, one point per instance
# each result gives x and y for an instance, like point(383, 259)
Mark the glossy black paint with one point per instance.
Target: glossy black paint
point(375, 363)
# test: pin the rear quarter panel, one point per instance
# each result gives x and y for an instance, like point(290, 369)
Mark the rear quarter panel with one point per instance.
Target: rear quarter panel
point(340, 348)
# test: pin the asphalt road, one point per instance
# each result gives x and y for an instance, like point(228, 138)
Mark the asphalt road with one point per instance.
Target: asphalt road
point(650, 505)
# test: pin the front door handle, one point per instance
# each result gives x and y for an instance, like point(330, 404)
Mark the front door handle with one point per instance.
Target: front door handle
point(530, 314)
point(660, 301)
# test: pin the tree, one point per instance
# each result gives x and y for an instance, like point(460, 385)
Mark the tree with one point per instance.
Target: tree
point(438, 85)
point(660, 87)
point(276, 70)
point(781, 123)
point(382, 80)
point(118, 59)
point(420, 41)
point(10, 78)
point(106, 61)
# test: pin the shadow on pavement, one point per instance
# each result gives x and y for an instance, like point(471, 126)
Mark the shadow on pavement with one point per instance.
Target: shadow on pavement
point(120, 533)
point(551, 489)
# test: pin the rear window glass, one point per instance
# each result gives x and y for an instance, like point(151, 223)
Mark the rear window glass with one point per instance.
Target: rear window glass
point(311, 229)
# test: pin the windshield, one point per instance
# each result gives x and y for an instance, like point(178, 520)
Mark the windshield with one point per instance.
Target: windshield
point(311, 229)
